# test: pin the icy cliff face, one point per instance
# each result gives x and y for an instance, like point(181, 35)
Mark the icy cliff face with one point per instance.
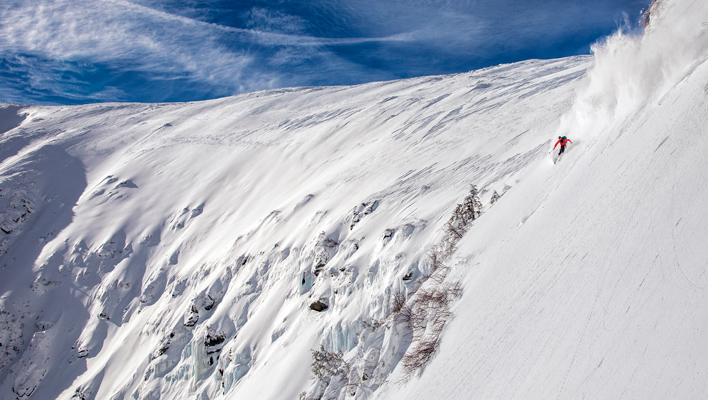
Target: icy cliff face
point(206, 249)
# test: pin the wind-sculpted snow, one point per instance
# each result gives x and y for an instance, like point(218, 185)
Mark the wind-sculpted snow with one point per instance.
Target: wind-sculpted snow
point(205, 249)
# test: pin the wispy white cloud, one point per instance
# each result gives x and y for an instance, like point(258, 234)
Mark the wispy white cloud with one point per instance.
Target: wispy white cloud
point(137, 38)
point(321, 41)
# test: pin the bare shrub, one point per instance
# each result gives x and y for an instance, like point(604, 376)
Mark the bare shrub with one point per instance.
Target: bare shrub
point(425, 311)
point(414, 361)
point(440, 275)
point(434, 298)
point(326, 364)
point(430, 309)
point(405, 315)
point(436, 258)
point(372, 324)
point(454, 290)
point(424, 296)
point(398, 302)
point(431, 313)
point(418, 316)
point(437, 324)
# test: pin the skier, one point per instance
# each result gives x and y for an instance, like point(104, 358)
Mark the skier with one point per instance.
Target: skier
point(562, 140)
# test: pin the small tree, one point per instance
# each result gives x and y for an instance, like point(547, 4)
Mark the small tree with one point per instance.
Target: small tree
point(495, 197)
point(473, 204)
point(465, 212)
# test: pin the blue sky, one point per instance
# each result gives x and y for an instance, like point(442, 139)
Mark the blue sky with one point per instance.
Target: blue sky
point(84, 51)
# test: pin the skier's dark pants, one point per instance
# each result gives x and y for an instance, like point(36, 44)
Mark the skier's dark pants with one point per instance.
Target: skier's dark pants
point(562, 150)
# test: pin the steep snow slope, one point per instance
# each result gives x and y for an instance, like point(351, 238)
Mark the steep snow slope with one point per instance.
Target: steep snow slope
point(596, 286)
point(177, 250)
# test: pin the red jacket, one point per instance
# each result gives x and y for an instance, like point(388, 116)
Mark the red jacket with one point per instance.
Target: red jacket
point(562, 142)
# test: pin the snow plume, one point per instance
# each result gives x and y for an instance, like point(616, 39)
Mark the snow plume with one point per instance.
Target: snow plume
point(631, 70)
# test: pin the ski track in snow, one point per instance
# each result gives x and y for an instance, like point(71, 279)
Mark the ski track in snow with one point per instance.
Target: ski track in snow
point(171, 251)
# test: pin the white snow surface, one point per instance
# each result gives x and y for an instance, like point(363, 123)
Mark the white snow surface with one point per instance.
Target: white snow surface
point(173, 251)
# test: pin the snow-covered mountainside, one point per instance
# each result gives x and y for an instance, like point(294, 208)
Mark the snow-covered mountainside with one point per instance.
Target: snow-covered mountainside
point(213, 250)
point(161, 251)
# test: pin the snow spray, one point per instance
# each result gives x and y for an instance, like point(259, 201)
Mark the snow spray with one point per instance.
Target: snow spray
point(631, 70)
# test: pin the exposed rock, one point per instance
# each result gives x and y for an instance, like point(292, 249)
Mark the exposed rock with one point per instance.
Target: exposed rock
point(214, 340)
point(324, 250)
point(319, 306)
point(127, 184)
point(191, 318)
point(11, 341)
point(361, 211)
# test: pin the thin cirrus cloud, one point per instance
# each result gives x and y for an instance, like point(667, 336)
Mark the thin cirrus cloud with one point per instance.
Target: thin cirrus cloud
point(68, 46)
point(78, 51)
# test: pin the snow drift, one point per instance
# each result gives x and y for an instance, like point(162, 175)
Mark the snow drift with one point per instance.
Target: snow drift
point(204, 250)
